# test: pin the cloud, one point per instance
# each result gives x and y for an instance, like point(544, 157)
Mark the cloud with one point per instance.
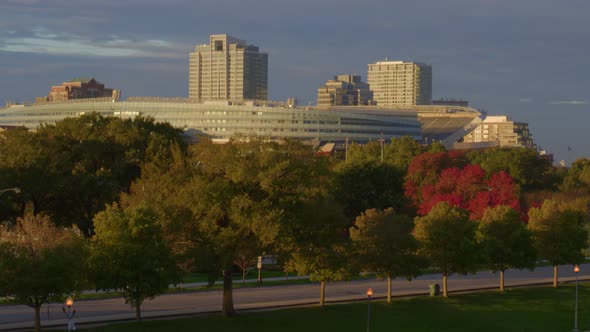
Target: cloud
point(41, 40)
point(569, 102)
point(525, 100)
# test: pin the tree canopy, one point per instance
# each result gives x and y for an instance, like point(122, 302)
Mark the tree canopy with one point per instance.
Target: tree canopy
point(525, 166)
point(40, 262)
point(559, 234)
point(383, 243)
point(447, 239)
point(130, 254)
point(505, 241)
point(70, 170)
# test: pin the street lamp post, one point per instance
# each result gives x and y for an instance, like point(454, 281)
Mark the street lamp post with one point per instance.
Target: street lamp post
point(576, 270)
point(369, 294)
point(70, 314)
point(259, 267)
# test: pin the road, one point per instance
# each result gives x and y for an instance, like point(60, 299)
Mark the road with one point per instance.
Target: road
point(17, 316)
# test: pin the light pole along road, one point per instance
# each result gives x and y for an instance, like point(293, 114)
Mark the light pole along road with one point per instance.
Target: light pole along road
point(14, 317)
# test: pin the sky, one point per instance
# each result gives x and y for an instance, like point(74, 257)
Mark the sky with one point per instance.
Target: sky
point(523, 58)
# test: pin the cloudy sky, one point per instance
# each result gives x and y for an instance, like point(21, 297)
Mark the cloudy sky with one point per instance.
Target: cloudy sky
point(523, 58)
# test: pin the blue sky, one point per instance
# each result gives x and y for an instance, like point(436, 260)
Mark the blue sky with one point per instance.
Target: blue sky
point(523, 58)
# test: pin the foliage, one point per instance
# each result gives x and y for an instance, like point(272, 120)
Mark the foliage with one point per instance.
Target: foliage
point(318, 244)
point(70, 170)
point(130, 254)
point(250, 192)
point(364, 153)
point(447, 238)
point(558, 232)
point(398, 153)
point(469, 189)
point(40, 262)
point(525, 166)
point(384, 243)
point(424, 171)
point(577, 178)
point(505, 241)
point(362, 186)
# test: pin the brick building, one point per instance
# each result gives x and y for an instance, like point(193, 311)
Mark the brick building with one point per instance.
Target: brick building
point(80, 88)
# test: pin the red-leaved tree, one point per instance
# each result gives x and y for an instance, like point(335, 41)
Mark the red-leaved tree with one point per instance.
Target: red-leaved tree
point(424, 171)
point(466, 187)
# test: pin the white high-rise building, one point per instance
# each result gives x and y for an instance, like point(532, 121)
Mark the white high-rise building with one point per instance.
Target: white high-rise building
point(227, 69)
point(396, 83)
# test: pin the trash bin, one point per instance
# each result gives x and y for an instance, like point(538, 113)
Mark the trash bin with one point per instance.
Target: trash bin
point(434, 289)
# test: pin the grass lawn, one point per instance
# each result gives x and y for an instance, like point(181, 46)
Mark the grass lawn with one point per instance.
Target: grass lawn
point(531, 309)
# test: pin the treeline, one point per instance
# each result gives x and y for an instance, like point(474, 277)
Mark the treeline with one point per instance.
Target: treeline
point(118, 204)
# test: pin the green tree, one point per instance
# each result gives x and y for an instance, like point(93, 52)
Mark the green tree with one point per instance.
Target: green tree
point(70, 170)
point(40, 262)
point(318, 244)
point(250, 192)
point(447, 238)
point(383, 243)
point(559, 234)
point(130, 254)
point(530, 170)
point(577, 178)
point(366, 185)
point(505, 241)
point(363, 153)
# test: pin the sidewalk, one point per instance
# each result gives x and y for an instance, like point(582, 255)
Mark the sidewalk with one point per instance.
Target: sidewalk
point(218, 282)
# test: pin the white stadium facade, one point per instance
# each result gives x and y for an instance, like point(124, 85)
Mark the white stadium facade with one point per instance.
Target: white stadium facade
point(222, 120)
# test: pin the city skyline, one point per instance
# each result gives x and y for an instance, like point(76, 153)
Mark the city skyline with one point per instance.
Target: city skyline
point(524, 60)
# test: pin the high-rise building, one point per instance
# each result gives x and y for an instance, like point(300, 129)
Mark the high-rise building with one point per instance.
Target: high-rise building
point(503, 130)
point(396, 83)
point(344, 90)
point(228, 69)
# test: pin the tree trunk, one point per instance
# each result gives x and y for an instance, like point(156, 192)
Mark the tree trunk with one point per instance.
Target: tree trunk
point(501, 281)
point(243, 276)
point(37, 318)
point(388, 287)
point(322, 293)
point(228, 298)
point(555, 270)
point(445, 292)
point(138, 313)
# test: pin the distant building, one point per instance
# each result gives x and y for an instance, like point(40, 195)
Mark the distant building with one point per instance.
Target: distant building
point(79, 88)
point(228, 69)
point(503, 130)
point(450, 102)
point(396, 83)
point(344, 90)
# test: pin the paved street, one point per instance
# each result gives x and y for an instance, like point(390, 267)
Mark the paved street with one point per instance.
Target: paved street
point(12, 317)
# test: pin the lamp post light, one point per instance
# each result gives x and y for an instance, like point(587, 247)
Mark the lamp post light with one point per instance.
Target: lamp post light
point(369, 294)
point(259, 267)
point(70, 314)
point(17, 190)
point(576, 270)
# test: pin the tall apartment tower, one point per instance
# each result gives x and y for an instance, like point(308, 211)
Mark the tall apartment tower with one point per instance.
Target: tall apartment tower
point(397, 83)
point(228, 69)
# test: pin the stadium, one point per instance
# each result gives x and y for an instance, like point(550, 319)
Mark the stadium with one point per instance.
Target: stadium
point(222, 120)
